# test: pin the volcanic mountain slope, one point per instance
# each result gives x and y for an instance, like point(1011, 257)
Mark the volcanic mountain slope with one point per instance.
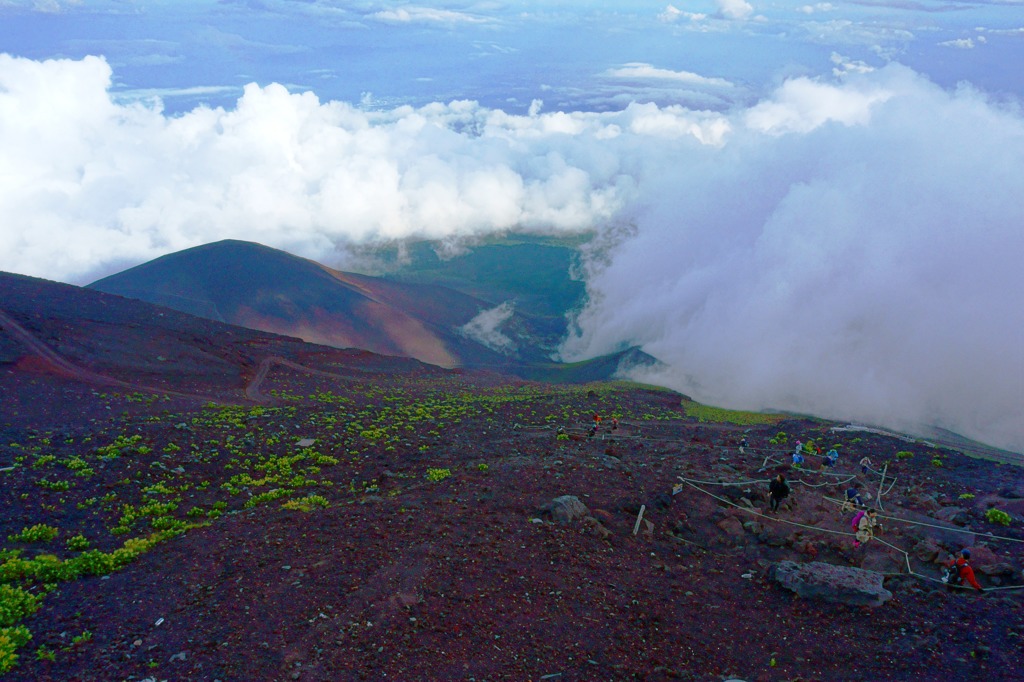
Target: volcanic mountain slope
point(59, 343)
point(262, 288)
point(333, 515)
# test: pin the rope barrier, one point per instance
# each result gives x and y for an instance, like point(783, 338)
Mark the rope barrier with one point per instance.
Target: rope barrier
point(906, 554)
point(822, 485)
point(933, 525)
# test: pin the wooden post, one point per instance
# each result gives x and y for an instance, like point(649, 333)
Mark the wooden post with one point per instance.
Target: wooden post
point(639, 518)
point(880, 482)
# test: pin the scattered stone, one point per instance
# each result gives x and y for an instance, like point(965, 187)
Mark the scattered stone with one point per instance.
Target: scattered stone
point(731, 526)
point(180, 656)
point(957, 515)
point(564, 510)
point(306, 442)
point(838, 584)
point(928, 551)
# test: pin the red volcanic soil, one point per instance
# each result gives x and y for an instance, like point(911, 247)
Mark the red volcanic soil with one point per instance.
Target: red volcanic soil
point(431, 557)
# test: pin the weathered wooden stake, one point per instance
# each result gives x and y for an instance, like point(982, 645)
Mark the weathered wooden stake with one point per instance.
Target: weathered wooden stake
point(880, 482)
point(639, 518)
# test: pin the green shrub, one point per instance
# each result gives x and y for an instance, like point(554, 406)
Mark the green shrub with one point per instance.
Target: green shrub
point(268, 496)
point(904, 454)
point(966, 496)
point(562, 436)
point(482, 467)
point(59, 486)
point(15, 604)
point(997, 516)
point(780, 438)
point(936, 462)
point(435, 475)
point(307, 503)
point(11, 639)
point(78, 543)
point(37, 533)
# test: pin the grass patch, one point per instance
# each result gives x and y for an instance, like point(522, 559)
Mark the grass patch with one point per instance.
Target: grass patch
point(707, 413)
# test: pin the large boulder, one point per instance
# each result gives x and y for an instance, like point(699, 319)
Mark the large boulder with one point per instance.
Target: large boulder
point(839, 584)
point(984, 560)
point(564, 509)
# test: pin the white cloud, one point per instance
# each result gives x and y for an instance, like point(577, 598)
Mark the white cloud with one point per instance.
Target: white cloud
point(845, 66)
point(485, 328)
point(425, 15)
point(639, 70)
point(867, 269)
point(672, 14)
point(849, 249)
point(800, 105)
point(959, 43)
point(734, 9)
point(817, 7)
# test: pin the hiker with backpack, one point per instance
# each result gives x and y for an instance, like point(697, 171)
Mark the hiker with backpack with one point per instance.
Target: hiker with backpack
point(778, 490)
point(865, 464)
point(865, 522)
point(959, 571)
point(853, 500)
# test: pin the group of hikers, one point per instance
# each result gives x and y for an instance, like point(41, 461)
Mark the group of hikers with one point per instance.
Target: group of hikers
point(864, 523)
point(830, 459)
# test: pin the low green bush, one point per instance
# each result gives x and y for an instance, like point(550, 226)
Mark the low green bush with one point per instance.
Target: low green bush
point(997, 516)
point(436, 475)
point(11, 639)
point(37, 533)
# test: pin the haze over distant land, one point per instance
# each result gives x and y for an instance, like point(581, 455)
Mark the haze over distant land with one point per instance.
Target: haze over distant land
point(805, 206)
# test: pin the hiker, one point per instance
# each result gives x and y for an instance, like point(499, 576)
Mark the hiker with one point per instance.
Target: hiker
point(778, 490)
point(865, 463)
point(615, 423)
point(959, 571)
point(865, 522)
point(830, 460)
point(853, 500)
point(799, 449)
point(743, 444)
point(798, 459)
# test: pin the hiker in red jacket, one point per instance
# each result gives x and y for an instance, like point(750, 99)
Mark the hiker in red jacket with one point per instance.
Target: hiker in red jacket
point(960, 571)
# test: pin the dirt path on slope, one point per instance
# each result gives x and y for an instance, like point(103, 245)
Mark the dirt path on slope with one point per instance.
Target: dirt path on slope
point(252, 390)
point(69, 369)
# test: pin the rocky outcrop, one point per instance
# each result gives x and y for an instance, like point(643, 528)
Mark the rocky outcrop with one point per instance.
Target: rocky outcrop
point(839, 584)
point(564, 510)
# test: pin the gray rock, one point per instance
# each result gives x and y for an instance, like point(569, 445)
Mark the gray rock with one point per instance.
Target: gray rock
point(731, 526)
point(942, 531)
point(957, 515)
point(928, 550)
point(564, 509)
point(838, 584)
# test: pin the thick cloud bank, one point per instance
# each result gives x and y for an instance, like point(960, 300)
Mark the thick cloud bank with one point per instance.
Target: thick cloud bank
point(852, 248)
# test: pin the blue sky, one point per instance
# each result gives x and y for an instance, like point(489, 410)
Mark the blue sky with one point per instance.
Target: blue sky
point(804, 206)
point(505, 54)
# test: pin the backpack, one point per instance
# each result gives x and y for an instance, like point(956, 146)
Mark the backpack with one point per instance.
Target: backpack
point(952, 574)
point(856, 519)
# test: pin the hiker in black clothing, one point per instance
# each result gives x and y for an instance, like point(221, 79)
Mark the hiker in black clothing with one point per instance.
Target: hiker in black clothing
point(778, 490)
